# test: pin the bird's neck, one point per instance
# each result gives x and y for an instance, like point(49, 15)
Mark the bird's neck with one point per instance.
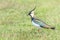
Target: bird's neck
point(32, 18)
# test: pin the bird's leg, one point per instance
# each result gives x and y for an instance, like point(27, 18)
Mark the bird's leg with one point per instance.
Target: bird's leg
point(32, 28)
point(38, 30)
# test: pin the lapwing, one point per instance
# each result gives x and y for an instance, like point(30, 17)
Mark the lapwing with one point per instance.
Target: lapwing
point(37, 22)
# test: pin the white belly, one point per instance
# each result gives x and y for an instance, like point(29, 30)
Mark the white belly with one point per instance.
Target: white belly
point(36, 24)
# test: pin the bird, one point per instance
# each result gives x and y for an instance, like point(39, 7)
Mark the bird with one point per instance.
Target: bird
point(38, 22)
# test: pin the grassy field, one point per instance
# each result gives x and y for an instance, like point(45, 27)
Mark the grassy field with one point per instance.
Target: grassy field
point(15, 24)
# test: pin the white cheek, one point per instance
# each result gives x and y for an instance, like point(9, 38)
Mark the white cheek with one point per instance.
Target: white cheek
point(32, 14)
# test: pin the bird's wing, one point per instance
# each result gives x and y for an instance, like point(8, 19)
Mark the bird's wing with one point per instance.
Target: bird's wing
point(41, 23)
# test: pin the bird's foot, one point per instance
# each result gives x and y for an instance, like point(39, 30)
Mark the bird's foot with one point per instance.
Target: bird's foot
point(38, 30)
point(32, 29)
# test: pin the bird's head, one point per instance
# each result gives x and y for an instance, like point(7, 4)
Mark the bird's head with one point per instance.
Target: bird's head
point(31, 13)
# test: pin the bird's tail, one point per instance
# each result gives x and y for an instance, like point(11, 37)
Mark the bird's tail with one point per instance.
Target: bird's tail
point(49, 27)
point(53, 28)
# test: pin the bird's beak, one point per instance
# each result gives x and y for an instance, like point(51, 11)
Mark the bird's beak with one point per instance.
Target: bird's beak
point(28, 14)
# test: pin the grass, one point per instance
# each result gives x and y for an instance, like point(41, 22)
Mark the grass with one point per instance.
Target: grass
point(16, 25)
